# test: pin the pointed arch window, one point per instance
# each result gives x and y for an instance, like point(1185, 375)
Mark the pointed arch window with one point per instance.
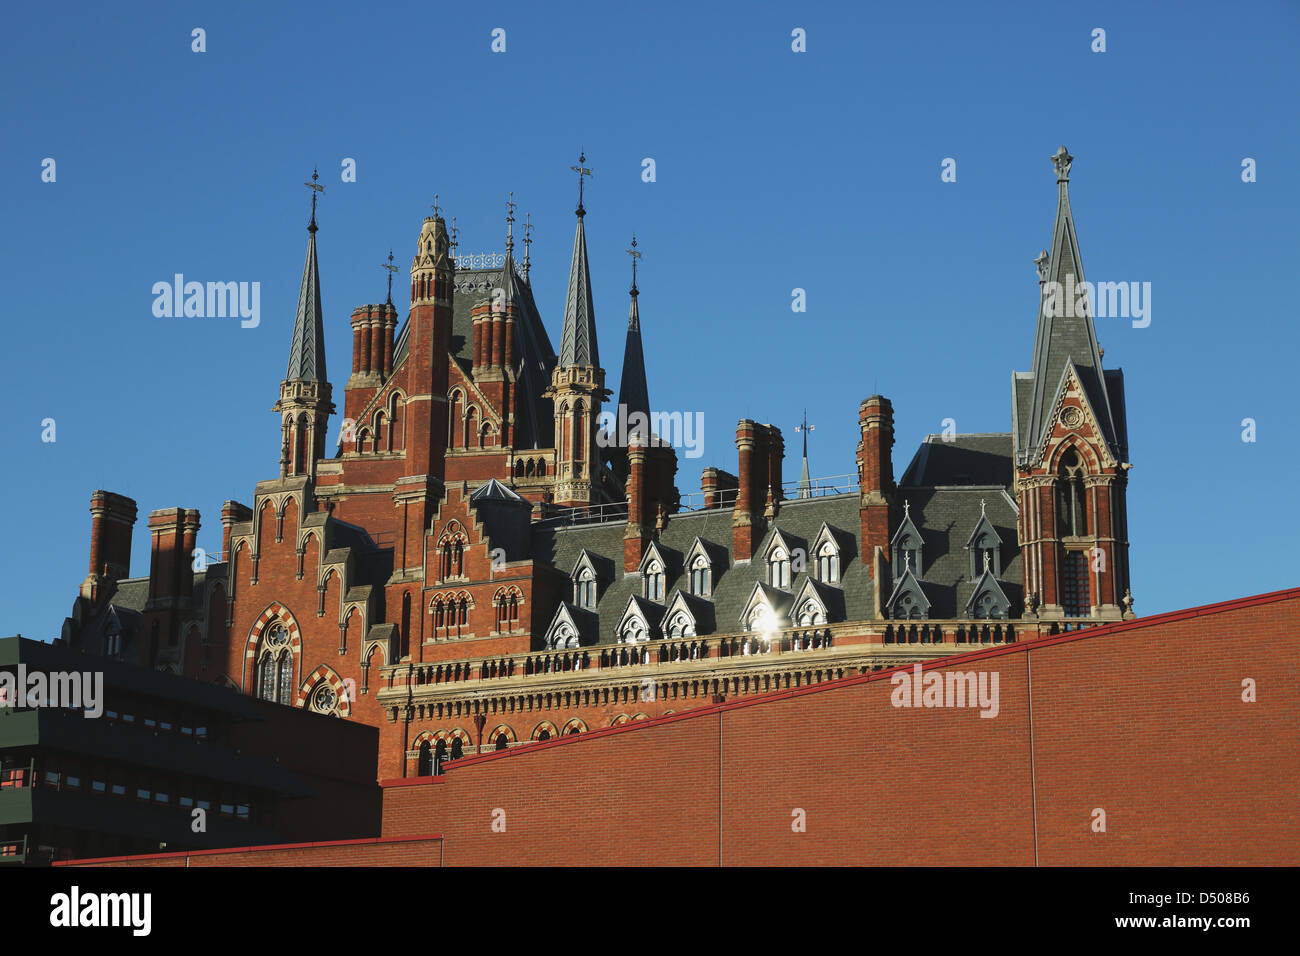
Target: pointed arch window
point(275, 666)
point(634, 631)
point(1071, 499)
point(453, 416)
point(811, 614)
point(681, 625)
point(907, 555)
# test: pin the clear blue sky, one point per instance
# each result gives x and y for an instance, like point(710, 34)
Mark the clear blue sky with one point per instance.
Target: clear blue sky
point(775, 170)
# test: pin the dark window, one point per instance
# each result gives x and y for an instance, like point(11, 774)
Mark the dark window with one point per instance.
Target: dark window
point(1074, 584)
point(502, 742)
point(424, 765)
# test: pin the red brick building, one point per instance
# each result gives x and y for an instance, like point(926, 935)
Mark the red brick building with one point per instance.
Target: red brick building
point(478, 564)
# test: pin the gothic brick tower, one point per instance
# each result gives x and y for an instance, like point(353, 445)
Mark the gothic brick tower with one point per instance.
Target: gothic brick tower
point(1071, 445)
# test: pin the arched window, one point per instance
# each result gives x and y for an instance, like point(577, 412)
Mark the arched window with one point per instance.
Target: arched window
point(810, 614)
point(531, 469)
point(544, 735)
point(654, 581)
point(541, 468)
point(324, 700)
point(1071, 499)
point(453, 418)
point(439, 756)
point(700, 583)
point(584, 592)
point(462, 617)
point(424, 765)
point(457, 749)
point(519, 468)
point(778, 565)
point(457, 558)
point(471, 427)
point(681, 626)
point(634, 631)
point(502, 741)
point(275, 666)
point(828, 563)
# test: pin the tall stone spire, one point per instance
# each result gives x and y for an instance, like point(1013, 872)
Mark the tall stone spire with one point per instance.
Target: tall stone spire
point(578, 341)
point(307, 348)
point(633, 390)
point(304, 403)
point(1065, 331)
point(805, 479)
point(577, 381)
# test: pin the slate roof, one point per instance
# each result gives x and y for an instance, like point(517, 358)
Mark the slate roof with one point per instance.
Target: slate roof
point(964, 460)
point(799, 520)
point(307, 348)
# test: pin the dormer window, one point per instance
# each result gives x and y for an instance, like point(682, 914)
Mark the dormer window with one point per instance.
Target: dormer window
point(584, 589)
point(778, 568)
point(654, 581)
point(985, 546)
point(828, 563)
point(634, 631)
point(907, 546)
point(681, 625)
point(701, 576)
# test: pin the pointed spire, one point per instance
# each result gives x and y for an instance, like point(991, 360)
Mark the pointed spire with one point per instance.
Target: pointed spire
point(805, 478)
point(510, 224)
point(633, 388)
point(307, 348)
point(1065, 332)
point(578, 340)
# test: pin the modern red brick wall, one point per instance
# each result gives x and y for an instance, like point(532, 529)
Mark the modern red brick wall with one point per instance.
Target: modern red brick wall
point(406, 851)
point(1144, 720)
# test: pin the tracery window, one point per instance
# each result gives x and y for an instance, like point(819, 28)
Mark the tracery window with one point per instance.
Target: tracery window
point(778, 568)
point(700, 576)
point(275, 666)
point(1071, 499)
point(654, 581)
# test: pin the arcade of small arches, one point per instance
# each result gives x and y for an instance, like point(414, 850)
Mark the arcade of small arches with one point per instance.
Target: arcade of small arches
point(384, 430)
point(466, 427)
point(530, 468)
point(450, 615)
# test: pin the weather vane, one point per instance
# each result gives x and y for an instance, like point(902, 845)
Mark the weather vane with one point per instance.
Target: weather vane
point(437, 210)
point(635, 256)
point(315, 190)
point(805, 428)
point(392, 270)
point(582, 171)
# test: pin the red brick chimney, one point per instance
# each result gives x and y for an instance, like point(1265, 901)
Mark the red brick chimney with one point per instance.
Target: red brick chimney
point(876, 477)
point(112, 517)
point(171, 569)
point(232, 513)
point(759, 480)
point(719, 487)
point(639, 522)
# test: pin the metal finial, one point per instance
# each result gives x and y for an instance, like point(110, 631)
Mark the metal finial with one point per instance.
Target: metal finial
point(453, 242)
point(582, 172)
point(437, 210)
point(635, 256)
point(392, 269)
point(982, 508)
point(510, 223)
point(907, 509)
point(528, 241)
point(986, 562)
point(315, 189)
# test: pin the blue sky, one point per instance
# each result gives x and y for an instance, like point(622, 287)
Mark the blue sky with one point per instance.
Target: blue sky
point(774, 170)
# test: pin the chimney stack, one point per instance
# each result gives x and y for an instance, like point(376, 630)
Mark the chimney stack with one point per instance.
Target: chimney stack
point(758, 484)
point(876, 477)
point(232, 513)
point(171, 569)
point(112, 517)
point(639, 521)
